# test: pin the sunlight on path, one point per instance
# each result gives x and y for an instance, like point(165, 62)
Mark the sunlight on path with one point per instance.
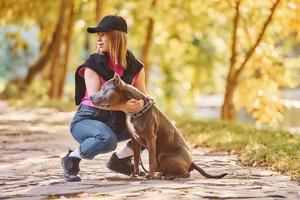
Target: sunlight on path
point(32, 141)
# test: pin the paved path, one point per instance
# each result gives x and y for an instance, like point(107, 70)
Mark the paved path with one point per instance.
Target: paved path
point(32, 141)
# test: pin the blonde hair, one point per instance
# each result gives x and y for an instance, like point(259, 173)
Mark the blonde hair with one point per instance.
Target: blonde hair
point(117, 47)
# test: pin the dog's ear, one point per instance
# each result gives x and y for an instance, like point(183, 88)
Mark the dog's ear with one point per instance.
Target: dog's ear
point(117, 80)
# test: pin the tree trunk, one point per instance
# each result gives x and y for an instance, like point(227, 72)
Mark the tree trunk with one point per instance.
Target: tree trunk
point(98, 15)
point(62, 70)
point(228, 111)
point(41, 62)
point(56, 59)
point(38, 66)
point(147, 44)
point(99, 9)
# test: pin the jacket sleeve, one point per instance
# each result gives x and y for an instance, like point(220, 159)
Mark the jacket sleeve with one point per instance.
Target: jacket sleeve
point(134, 64)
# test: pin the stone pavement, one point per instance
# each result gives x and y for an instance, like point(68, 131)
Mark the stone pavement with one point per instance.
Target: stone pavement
point(32, 141)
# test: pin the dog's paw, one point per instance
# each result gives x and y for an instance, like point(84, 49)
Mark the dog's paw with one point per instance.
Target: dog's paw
point(137, 174)
point(155, 176)
point(142, 173)
point(134, 175)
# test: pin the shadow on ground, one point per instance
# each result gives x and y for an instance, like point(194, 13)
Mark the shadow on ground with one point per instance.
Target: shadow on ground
point(32, 141)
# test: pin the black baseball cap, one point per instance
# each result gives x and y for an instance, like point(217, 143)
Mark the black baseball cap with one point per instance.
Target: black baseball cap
point(110, 23)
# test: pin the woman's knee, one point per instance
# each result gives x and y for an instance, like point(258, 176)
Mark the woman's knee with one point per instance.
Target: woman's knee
point(107, 142)
point(76, 133)
point(98, 145)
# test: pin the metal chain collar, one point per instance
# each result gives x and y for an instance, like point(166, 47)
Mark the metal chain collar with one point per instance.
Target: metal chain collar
point(145, 108)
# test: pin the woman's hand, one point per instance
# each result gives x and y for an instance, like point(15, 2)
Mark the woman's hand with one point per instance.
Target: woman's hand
point(133, 105)
point(149, 97)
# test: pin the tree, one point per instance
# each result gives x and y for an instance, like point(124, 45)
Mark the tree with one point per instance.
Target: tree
point(148, 40)
point(47, 52)
point(228, 108)
point(60, 56)
point(54, 54)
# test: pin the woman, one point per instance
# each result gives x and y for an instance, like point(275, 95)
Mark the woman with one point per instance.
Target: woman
point(98, 129)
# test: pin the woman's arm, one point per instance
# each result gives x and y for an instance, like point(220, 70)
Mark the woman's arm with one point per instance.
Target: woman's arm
point(92, 83)
point(140, 82)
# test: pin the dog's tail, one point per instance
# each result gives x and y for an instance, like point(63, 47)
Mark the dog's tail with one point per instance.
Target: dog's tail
point(199, 169)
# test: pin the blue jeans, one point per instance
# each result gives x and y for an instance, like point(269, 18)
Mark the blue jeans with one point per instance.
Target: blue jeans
point(93, 135)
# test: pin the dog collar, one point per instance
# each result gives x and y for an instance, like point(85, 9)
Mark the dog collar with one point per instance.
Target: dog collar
point(145, 108)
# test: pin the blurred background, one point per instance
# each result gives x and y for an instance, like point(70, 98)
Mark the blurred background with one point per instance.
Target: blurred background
point(209, 59)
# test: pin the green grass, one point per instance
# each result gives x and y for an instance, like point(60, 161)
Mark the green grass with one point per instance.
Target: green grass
point(278, 150)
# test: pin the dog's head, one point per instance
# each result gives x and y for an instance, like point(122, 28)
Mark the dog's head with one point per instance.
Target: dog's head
point(112, 92)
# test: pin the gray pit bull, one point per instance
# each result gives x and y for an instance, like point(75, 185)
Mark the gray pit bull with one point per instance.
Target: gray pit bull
point(169, 155)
